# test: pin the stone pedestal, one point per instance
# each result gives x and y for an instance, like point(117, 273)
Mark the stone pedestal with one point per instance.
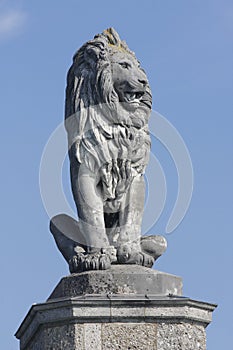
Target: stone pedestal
point(131, 315)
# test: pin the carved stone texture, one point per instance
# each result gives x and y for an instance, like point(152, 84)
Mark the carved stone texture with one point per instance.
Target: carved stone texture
point(108, 104)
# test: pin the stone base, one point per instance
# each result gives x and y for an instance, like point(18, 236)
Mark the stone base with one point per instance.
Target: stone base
point(98, 322)
point(120, 279)
point(126, 307)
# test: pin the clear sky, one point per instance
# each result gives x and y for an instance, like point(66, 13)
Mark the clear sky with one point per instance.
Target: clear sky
point(186, 49)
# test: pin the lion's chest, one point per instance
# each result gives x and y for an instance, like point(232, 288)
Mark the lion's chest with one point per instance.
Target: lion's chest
point(116, 155)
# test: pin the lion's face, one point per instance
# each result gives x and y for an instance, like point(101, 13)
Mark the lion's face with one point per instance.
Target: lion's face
point(129, 80)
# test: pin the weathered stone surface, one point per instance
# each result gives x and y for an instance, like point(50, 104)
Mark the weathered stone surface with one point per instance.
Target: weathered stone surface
point(120, 279)
point(129, 336)
point(93, 336)
point(68, 337)
point(181, 336)
point(114, 336)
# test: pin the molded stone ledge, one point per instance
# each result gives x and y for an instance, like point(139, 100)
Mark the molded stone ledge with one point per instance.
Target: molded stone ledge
point(111, 310)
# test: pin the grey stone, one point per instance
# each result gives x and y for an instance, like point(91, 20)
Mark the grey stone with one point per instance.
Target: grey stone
point(116, 321)
point(181, 336)
point(129, 336)
point(120, 279)
point(58, 337)
point(108, 104)
point(92, 336)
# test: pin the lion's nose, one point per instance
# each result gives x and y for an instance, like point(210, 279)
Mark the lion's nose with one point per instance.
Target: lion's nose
point(143, 82)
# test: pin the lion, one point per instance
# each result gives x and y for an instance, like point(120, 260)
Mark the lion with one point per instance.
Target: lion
point(107, 108)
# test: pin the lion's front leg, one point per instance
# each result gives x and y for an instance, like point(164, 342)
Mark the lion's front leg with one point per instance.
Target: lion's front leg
point(130, 220)
point(98, 254)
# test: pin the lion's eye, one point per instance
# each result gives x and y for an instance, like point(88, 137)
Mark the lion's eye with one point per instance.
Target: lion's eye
point(125, 65)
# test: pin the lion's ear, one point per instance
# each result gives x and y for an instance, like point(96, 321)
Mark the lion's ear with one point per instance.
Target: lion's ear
point(91, 56)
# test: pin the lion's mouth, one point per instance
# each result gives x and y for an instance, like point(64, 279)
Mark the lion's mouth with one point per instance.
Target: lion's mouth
point(133, 97)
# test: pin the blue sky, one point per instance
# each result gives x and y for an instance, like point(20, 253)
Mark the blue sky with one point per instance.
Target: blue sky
point(186, 49)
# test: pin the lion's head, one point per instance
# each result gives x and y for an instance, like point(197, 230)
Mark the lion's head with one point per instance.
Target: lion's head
point(106, 72)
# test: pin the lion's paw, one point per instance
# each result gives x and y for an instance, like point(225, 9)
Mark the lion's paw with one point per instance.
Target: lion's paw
point(92, 261)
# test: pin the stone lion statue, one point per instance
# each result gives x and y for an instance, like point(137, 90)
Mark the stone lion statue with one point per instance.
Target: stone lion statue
point(108, 104)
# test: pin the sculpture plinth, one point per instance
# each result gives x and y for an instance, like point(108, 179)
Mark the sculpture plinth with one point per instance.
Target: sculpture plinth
point(120, 279)
point(114, 321)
